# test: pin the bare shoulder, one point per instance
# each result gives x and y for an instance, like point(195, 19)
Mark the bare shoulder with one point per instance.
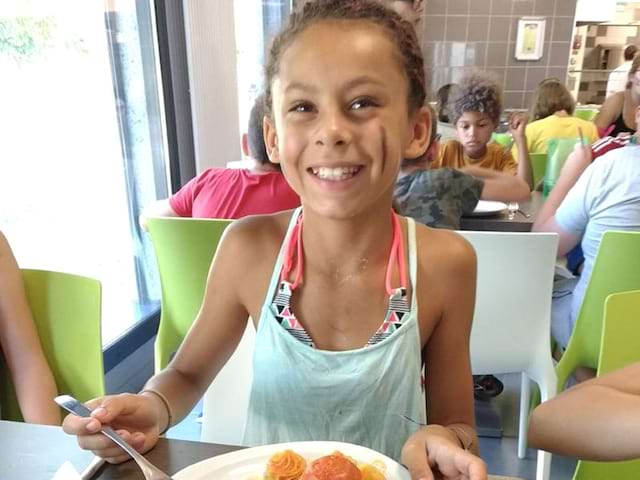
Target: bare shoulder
point(611, 106)
point(444, 251)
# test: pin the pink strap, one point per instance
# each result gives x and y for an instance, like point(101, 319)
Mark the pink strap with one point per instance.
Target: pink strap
point(397, 254)
point(295, 245)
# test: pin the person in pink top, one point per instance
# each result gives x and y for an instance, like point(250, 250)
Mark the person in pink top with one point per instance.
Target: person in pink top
point(230, 192)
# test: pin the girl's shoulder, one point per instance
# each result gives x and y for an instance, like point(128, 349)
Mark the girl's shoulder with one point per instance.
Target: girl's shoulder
point(443, 250)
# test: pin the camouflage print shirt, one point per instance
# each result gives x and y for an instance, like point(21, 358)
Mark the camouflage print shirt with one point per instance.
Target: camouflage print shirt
point(437, 198)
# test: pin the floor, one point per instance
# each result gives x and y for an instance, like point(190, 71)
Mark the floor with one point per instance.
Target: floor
point(499, 453)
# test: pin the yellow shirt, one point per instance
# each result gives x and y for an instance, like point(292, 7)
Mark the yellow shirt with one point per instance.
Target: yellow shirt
point(541, 131)
point(496, 157)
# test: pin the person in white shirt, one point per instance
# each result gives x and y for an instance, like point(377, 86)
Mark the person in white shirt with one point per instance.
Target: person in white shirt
point(618, 77)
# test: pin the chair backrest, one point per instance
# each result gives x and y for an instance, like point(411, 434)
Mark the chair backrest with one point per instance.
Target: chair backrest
point(619, 347)
point(503, 139)
point(184, 249)
point(615, 270)
point(538, 165)
point(587, 114)
point(511, 323)
point(67, 312)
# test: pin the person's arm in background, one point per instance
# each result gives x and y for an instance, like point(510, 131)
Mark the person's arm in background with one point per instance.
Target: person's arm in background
point(19, 343)
point(576, 164)
point(498, 185)
point(159, 208)
point(609, 111)
point(596, 420)
point(517, 128)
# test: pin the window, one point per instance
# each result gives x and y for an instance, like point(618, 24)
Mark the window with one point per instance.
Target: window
point(83, 145)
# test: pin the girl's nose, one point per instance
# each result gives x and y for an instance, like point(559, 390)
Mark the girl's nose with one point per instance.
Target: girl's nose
point(333, 130)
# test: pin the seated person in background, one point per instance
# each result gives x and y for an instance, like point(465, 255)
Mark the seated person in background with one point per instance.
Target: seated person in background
point(596, 420)
point(446, 130)
point(618, 77)
point(617, 114)
point(552, 114)
point(439, 198)
point(587, 200)
point(229, 192)
point(475, 110)
point(20, 346)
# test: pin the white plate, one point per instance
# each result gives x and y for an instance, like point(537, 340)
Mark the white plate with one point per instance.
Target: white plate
point(489, 207)
point(250, 463)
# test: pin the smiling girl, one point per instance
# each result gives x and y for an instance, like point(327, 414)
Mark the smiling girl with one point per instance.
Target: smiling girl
point(349, 301)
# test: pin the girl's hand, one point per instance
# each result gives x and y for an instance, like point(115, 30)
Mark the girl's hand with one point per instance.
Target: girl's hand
point(434, 452)
point(517, 126)
point(134, 417)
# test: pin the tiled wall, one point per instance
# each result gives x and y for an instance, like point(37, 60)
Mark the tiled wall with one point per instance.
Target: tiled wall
point(462, 35)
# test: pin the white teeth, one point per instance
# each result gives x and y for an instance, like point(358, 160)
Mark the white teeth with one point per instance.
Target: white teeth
point(335, 174)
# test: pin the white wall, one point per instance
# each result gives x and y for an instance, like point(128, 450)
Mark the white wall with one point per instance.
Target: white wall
point(211, 52)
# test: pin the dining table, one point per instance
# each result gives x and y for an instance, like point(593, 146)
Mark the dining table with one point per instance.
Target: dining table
point(522, 221)
point(38, 452)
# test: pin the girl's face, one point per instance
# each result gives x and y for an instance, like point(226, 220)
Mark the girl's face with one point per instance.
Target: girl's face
point(341, 123)
point(474, 131)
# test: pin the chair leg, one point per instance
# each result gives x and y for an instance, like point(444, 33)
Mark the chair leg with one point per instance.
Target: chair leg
point(543, 465)
point(525, 392)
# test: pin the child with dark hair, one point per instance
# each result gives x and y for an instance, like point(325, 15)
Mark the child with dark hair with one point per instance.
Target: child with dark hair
point(232, 192)
point(440, 197)
point(475, 111)
point(349, 300)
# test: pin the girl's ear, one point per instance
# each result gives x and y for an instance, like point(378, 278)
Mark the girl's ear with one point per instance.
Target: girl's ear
point(419, 134)
point(270, 139)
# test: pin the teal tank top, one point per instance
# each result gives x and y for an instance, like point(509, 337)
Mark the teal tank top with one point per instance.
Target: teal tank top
point(370, 396)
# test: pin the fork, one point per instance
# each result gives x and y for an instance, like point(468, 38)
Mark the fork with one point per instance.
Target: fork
point(150, 471)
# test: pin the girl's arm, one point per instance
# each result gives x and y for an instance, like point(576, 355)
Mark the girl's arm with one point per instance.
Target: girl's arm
point(609, 111)
point(236, 274)
point(517, 127)
point(449, 443)
point(20, 344)
point(595, 420)
point(498, 185)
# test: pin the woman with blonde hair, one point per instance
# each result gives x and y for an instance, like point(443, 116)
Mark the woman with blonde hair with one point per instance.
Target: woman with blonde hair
point(552, 117)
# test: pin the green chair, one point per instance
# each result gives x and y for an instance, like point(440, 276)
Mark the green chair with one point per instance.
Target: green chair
point(538, 164)
point(620, 346)
point(616, 269)
point(184, 248)
point(503, 139)
point(67, 312)
point(587, 114)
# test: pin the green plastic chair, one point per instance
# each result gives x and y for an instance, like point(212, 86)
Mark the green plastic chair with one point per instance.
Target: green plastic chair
point(538, 165)
point(587, 114)
point(503, 139)
point(620, 346)
point(184, 248)
point(616, 269)
point(67, 312)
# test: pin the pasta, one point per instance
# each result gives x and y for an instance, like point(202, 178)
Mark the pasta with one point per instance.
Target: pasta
point(288, 465)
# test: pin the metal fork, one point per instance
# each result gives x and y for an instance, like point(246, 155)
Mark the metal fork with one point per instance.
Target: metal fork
point(150, 471)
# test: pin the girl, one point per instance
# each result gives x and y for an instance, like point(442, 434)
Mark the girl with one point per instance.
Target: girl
point(333, 289)
point(552, 115)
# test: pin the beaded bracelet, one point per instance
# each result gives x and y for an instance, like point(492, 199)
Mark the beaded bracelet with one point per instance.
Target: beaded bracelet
point(166, 404)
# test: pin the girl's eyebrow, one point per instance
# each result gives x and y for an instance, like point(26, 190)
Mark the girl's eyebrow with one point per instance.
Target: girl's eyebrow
point(354, 82)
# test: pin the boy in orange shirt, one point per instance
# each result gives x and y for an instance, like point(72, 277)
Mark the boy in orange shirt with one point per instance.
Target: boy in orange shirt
point(476, 110)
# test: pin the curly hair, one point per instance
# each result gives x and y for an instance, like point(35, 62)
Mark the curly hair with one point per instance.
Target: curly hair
point(478, 92)
point(551, 96)
point(399, 31)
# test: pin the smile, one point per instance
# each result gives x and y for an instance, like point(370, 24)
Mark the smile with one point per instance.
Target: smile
point(335, 174)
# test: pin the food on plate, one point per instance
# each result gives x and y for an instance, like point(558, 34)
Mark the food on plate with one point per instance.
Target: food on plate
point(332, 467)
point(285, 465)
point(288, 465)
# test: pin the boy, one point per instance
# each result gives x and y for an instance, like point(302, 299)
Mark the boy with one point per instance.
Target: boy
point(475, 111)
